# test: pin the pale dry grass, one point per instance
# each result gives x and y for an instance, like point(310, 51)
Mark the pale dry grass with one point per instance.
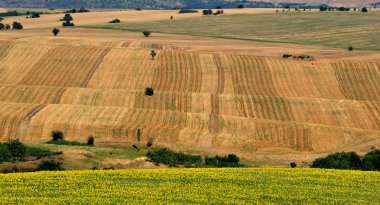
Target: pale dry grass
point(100, 18)
point(3, 10)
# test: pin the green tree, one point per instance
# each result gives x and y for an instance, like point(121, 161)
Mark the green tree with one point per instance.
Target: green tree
point(55, 31)
point(146, 33)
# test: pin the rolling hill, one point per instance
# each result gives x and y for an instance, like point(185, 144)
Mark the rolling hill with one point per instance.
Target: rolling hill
point(168, 4)
point(211, 95)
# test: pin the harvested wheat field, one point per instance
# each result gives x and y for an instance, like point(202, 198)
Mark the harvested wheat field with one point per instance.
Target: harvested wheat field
point(210, 95)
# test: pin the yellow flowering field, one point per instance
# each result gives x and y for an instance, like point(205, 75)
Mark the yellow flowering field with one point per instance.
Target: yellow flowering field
point(192, 186)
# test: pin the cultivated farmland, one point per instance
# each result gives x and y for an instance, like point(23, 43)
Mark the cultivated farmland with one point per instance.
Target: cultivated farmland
point(211, 95)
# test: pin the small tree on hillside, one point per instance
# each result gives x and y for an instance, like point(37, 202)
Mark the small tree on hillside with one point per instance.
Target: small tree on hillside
point(17, 26)
point(138, 137)
point(364, 9)
point(149, 91)
point(57, 135)
point(67, 18)
point(153, 54)
point(146, 33)
point(7, 26)
point(55, 31)
point(350, 48)
point(2, 26)
point(90, 140)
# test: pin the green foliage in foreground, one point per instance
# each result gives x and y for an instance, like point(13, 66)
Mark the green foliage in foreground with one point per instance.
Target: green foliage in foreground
point(192, 186)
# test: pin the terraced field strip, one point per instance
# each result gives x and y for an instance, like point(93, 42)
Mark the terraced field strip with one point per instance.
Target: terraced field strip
point(65, 67)
point(203, 186)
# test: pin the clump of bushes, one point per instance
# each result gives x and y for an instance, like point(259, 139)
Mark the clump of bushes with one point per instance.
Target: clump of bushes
point(12, 151)
point(364, 9)
point(207, 12)
point(50, 165)
point(17, 26)
point(293, 165)
point(350, 160)
point(115, 21)
point(57, 135)
point(185, 11)
point(350, 48)
point(230, 160)
point(175, 159)
point(287, 55)
point(81, 10)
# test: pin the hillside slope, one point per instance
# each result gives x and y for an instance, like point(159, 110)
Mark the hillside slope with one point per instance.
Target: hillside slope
point(156, 4)
point(202, 100)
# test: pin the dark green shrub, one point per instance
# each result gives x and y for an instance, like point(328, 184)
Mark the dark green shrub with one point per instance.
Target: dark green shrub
point(67, 24)
point(185, 11)
point(146, 33)
point(207, 12)
point(350, 48)
point(2, 26)
point(90, 140)
point(150, 142)
point(340, 160)
point(115, 21)
point(17, 26)
point(153, 54)
point(171, 158)
point(35, 15)
point(17, 150)
point(38, 152)
point(371, 161)
point(240, 6)
point(364, 9)
point(57, 135)
point(286, 55)
point(293, 165)
point(230, 160)
point(5, 153)
point(50, 165)
point(55, 31)
point(149, 91)
point(7, 26)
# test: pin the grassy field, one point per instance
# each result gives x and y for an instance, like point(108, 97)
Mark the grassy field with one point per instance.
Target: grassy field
point(192, 186)
point(331, 29)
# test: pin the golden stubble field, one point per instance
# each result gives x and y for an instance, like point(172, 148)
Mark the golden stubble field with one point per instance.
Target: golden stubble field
point(211, 95)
